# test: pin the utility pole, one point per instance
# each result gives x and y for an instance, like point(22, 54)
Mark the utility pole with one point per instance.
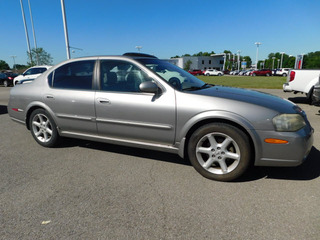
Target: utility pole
point(65, 29)
point(26, 31)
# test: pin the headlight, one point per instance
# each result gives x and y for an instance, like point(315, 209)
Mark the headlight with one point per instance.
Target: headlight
point(288, 122)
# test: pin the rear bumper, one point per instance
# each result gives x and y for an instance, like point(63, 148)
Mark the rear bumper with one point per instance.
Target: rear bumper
point(286, 87)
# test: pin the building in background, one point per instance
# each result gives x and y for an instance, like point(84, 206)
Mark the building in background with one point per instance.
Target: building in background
point(214, 61)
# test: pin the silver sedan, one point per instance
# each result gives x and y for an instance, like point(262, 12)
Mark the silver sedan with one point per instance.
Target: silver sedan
point(138, 100)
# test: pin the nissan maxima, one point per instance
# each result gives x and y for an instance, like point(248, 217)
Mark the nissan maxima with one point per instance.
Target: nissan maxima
point(141, 101)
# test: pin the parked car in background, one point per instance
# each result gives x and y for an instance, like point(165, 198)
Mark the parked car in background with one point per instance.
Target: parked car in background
point(282, 72)
point(261, 72)
point(213, 72)
point(31, 73)
point(249, 72)
point(6, 79)
point(234, 72)
point(302, 81)
point(196, 72)
point(133, 100)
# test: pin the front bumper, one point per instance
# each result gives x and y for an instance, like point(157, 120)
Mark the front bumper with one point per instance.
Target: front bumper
point(294, 153)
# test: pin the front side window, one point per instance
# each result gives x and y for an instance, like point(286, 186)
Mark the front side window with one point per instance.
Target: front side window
point(175, 76)
point(121, 76)
point(75, 75)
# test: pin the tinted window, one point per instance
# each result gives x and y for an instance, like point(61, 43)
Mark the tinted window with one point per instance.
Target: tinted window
point(75, 75)
point(121, 76)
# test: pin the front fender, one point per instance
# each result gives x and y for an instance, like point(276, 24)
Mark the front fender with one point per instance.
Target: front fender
point(220, 116)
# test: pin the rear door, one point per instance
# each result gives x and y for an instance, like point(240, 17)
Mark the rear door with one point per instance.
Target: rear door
point(71, 97)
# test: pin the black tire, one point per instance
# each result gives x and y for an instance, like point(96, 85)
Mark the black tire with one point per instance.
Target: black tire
point(224, 148)
point(309, 96)
point(284, 75)
point(219, 74)
point(268, 74)
point(253, 74)
point(5, 83)
point(43, 128)
point(207, 74)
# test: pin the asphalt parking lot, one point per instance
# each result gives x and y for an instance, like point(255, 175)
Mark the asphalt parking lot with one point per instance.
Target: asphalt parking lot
point(88, 190)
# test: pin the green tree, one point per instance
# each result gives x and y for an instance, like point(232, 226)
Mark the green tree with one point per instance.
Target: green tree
point(39, 57)
point(312, 60)
point(187, 65)
point(248, 60)
point(4, 65)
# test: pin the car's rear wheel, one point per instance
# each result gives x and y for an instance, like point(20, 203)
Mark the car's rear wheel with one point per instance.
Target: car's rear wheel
point(219, 151)
point(284, 75)
point(253, 74)
point(268, 74)
point(207, 74)
point(43, 128)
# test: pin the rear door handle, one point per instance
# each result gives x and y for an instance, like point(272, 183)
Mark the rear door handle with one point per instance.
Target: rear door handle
point(50, 97)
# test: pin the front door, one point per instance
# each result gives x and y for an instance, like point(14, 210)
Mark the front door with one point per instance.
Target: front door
point(124, 112)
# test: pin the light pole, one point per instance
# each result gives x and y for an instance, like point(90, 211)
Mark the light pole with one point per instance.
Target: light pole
point(139, 48)
point(34, 35)
point(258, 44)
point(281, 58)
point(14, 62)
point(65, 29)
point(26, 31)
point(224, 61)
point(273, 58)
point(278, 62)
point(238, 62)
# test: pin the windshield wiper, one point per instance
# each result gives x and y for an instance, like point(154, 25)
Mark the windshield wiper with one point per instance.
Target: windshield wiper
point(193, 88)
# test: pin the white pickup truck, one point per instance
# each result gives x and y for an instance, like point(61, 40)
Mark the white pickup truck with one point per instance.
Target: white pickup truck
point(303, 81)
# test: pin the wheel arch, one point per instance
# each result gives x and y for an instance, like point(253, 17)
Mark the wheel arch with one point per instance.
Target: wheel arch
point(34, 106)
point(237, 122)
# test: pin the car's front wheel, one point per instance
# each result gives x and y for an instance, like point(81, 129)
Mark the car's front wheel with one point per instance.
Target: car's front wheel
point(219, 151)
point(43, 128)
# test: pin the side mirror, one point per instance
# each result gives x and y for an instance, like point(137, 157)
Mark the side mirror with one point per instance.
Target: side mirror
point(149, 87)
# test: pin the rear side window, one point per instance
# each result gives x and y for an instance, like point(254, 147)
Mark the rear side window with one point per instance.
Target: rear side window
point(75, 75)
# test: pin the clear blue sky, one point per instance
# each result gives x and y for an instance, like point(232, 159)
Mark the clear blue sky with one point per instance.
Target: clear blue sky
point(164, 28)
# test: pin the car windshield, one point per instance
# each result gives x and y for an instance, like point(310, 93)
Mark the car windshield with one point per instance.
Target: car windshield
point(175, 76)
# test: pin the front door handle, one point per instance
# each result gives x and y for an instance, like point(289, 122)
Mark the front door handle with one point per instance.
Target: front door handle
point(104, 100)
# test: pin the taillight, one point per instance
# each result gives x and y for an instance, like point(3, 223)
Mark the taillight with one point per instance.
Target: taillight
point(292, 75)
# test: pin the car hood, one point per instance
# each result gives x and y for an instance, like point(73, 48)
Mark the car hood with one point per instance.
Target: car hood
point(250, 96)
